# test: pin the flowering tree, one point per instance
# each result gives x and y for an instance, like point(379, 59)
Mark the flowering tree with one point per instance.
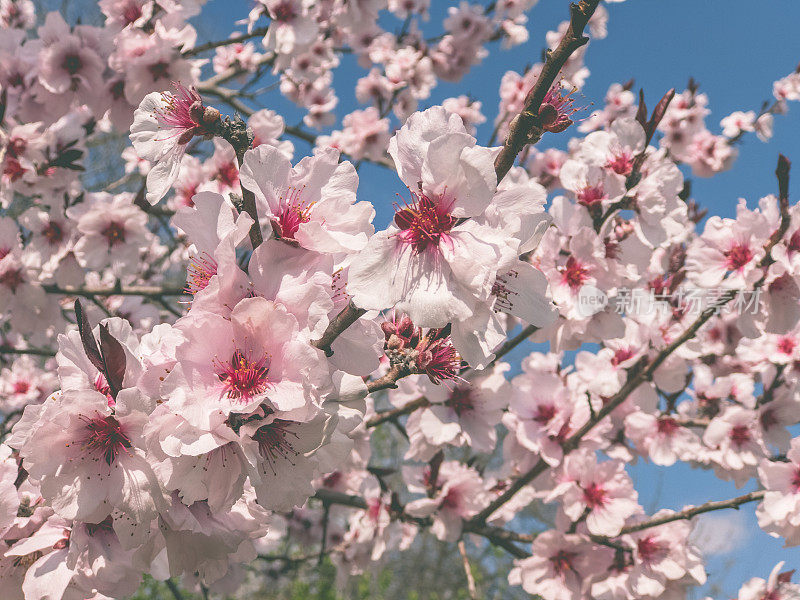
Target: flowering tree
point(216, 371)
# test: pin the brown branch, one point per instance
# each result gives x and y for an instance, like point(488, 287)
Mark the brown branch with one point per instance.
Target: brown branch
point(692, 512)
point(391, 415)
point(473, 590)
point(389, 380)
point(258, 32)
point(526, 128)
point(348, 315)
point(497, 535)
point(640, 372)
point(4, 349)
point(133, 290)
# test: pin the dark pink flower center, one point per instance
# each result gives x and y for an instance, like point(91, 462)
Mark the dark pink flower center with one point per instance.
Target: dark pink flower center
point(12, 278)
point(424, 223)
point(21, 387)
point(114, 232)
point(740, 435)
point(796, 480)
point(562, 562)
point(621, 355)
point(461, 400)
point(284, 12)
point(199, 272)
point(544, 413)
point(574, 274)
point(667, 426)
point(738, 256)
point(591, 195)
point(439, 360)
point(131, 12)
point(294, 212)
point(244, 378)
point(649, 549)
point(621, 163)
point(555, 109)
point(228, 174)
point(786, 345)
point(274, 442)
point(181, 111)
point(105, 436)
point(594, 495)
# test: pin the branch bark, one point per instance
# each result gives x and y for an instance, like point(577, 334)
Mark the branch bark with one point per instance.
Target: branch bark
point(525, 128)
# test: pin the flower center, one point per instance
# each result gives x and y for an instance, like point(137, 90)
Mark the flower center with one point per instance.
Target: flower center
point(228, 174)
point(284, 12)
point(621, 355)
point(72, 63)
point(439, 360)
point(114, 233)
point(244, 378)
point(621, 163)
point(796, 480)
point(461, 401)
point(21, 387)
point(274, 442)
point(424, 223)
point(649, 549)
point(180, 110)
point(131, 13)
point(594, 495)
point(667, 426)
point(562, 562)
point(12, 278)
point(574, 274)
point(105, 436)
point(544, 413)
point(556, 108)
point(53, 233)
point(294, 212)
point(199, 272)
point(591, 195)
point(740, 435)
point(738, 256)
point(786, 345)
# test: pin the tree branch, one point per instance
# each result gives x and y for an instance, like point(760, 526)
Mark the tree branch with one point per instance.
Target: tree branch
point(258, 32)
point(526, 128)
point(349, 315)
point(692, 512)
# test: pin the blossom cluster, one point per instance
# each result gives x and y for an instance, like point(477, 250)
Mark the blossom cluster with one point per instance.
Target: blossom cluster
point(188, 439)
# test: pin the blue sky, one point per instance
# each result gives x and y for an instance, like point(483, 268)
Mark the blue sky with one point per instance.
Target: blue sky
point(735, 50)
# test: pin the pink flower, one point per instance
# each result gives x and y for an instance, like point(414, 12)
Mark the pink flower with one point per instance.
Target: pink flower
point(234, 366)
point(162, 127)
point(458, 494)
point(602, 490)
point(562, 566)
point(312, 204)
point(434, 263)
point(100, 469)
point(779, 512)
point(113, 231)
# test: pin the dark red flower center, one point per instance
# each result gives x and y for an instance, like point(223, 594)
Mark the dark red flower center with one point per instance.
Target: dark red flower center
point(106, 437)
point(243, 377)
point(424, 223)
point(594, 495)
point(738, 256)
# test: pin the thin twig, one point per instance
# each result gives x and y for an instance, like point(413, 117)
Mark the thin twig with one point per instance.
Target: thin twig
point(258, 32)
point(473, 590)
point(525, 128)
